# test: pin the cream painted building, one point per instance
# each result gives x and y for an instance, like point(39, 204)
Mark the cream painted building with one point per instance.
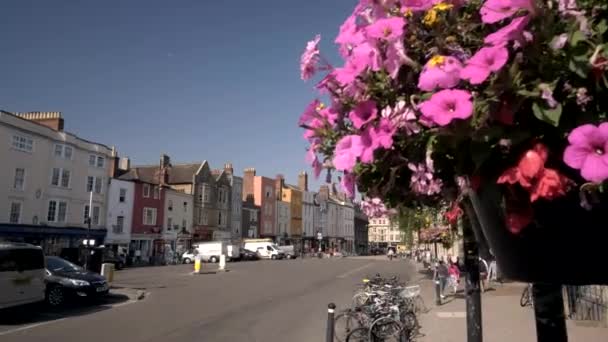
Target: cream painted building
point(177, 228)
point(46, 177)
point(384, 232)
point(120, 212)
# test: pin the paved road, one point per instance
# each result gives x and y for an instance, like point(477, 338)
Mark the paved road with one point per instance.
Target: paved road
point(254, 301)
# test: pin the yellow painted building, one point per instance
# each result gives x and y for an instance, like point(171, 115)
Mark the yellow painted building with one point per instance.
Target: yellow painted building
point(293, 196)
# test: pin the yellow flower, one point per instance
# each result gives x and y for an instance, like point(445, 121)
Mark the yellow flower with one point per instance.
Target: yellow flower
point(320, 106)
point(408, 13)
point(442, 6)
point(430, 17)
point(436, 60)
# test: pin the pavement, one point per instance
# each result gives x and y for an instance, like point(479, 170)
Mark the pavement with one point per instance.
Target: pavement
point(283, 300)
point(504, 320)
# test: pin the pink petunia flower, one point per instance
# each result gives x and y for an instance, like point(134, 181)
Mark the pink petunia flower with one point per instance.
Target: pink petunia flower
point(362, 57)
point(395, 58)
point(588, 151)
point(447, 105)
point(485, 61)
point(317, 167)
point(389, 29)
point(402, 117)
point(363, 113)
point(440, 72)
point(513, 31)
point(423, 181)
point(382, 135)
point(368, 146)
point(310, 59)
point(416, 5)
point(496, 10)
point(347, 150)
point(330, 114)
point(310, 112)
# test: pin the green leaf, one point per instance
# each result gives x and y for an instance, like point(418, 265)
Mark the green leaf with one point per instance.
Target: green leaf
point(602, 26)
point(578, 68)
point(527, 93)
point(576, 38)
point(548, 115)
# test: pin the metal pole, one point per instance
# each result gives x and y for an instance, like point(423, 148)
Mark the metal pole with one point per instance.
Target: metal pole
point(331, 308)
point(471, 264)
point(549, 313)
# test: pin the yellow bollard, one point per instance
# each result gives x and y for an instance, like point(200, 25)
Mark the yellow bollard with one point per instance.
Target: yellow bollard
point(197, 264)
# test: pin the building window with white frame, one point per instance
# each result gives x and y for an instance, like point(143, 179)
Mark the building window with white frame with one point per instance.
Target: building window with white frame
point(57, 211)
point(149, 216)
point(98, 185)
point(120, 221)
point(122, 195)
point(86, 213)
point(22, 143)
point(15, 213)
point(96, 215)
point(92, 160)
point(146, 191)
point(60, 177)
point(63, 151)
point(169, 223)
point(156, 192)
point(90, 183)
point(19, 180)
point(206, 193)
point(101, 161)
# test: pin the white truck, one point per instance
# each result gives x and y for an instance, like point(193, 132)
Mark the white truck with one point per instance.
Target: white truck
point(210, 251)
point(265, 248)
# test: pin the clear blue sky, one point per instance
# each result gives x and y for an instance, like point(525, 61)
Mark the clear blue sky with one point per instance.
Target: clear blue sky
point(215, 80)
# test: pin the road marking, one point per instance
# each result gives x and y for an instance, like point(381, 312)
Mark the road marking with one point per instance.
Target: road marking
point(355, 270)
point(456, 314)
point(31, 326)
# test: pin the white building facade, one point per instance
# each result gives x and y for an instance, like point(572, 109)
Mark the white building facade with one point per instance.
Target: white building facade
point(384, 232)
point(308, 214)
point(283, 219)
point(119, 212)
point(47, 178)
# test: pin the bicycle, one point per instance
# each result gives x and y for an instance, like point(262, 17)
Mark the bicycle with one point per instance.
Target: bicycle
point(526, 297)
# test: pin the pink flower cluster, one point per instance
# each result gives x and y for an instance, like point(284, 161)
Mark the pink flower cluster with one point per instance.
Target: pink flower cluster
point(374, 208)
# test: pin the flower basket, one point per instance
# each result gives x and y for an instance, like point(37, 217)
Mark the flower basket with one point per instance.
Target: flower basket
point(565, 243)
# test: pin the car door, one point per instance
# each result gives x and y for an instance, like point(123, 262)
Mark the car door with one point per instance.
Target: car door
point(31, 269)
point(8, 272)
point(262, 252)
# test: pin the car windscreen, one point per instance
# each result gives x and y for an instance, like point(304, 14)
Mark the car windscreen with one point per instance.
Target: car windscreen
point(58, 264)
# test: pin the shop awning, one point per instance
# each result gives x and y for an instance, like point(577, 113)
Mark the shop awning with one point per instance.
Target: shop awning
point(31, 231)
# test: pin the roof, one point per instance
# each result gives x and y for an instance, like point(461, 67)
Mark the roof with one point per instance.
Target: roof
point(178, 174)
point(142, 174)
point(183, 173)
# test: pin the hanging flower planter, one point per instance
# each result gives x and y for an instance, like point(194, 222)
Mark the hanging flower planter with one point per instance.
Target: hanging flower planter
point(509, 96)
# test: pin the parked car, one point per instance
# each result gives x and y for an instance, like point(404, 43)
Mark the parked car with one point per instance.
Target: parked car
point(188, 257)
point(289, 252)
point(66, 281)
point(211, 251)
point(21, 274)
point(248, 255)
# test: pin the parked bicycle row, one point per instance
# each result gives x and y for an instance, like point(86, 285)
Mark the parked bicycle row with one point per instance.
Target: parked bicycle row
point(382, 309)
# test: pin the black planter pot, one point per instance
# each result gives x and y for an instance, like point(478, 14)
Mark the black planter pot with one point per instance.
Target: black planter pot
point(565, 244)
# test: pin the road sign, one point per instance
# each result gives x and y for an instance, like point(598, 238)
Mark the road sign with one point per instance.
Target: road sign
point(319, 236)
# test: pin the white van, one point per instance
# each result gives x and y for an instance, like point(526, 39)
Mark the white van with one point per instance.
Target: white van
point(22, 273)
point(264, 248)
point(211, 251)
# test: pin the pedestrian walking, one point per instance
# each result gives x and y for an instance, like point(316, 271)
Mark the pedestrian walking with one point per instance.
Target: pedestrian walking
point(441, 274)
point(454, 273)
point(390, 254)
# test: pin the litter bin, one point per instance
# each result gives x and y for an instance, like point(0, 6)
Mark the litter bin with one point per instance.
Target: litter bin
point(107, 271)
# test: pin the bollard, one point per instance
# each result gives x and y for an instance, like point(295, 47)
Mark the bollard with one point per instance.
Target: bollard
point(222, 265)
point(197, 264)
point(107, 271)
point(437, 292)
point(331, 308)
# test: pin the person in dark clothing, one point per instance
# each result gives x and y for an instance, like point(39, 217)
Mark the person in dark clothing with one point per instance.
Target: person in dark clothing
point(441, 274)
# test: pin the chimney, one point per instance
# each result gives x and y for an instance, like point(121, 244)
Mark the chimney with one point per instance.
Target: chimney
point(52, 120)
point(248, 177)
point(303, 181)
point(165, 166)
point(279, 183)
point(228, 168)
point(324, 192)
point(165, 161)
point(124, 164)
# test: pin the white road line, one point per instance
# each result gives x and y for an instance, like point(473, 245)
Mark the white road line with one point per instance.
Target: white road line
point(355, 270)
point(31, 326)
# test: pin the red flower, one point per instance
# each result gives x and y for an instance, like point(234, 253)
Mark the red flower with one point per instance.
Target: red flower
point(518, 219)
point(532, 175)
point(453, 214)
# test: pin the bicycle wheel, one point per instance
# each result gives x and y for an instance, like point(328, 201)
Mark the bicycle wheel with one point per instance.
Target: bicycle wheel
point(344, 323)
point(358, 335)
point(419, 306)
point(410, 326)
point(359, 299)
point(525, 297)
point(385, 329)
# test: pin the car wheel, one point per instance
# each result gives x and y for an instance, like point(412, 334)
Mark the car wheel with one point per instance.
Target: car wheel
point(55, 296)
point(187, 261)
point(119, 266)
point(213, 260)
point(289, 257)
point(274, 257)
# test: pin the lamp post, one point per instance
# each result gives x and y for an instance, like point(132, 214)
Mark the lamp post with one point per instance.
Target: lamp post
point(88, 235)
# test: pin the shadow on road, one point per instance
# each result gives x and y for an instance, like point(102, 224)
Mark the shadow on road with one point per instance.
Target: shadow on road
point(40, 312)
